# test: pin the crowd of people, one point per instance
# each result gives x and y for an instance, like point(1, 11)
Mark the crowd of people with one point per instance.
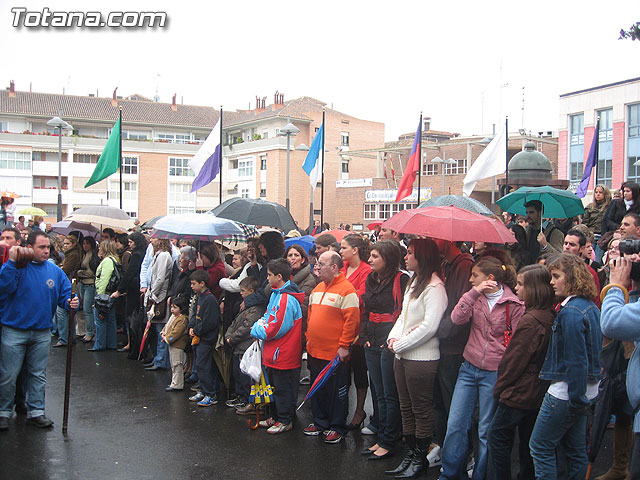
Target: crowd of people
point(459, 345)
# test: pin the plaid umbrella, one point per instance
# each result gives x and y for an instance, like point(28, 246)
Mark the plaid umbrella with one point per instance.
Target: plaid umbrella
point(248, 231)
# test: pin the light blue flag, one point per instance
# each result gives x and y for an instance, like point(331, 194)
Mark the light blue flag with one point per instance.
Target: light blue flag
point(312, 165)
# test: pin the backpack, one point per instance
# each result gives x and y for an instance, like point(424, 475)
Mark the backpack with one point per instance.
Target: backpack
point(116, 277)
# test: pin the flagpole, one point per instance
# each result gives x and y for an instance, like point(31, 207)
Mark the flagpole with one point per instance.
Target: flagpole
point(506, 146)
point(322, 190)
point(595, 162)
point(420, 159)
point(120, 135)
point(221, 156)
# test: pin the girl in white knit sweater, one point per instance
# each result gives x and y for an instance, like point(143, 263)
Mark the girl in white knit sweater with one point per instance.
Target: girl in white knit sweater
point(417, 352)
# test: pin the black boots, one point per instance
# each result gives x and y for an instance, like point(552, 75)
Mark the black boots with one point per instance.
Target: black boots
point(410, 440)
point(419, 462)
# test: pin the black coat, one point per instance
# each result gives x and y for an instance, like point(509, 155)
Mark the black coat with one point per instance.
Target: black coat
point(615, 213)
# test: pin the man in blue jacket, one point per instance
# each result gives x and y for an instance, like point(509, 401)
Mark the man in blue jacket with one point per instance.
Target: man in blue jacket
point(621, 322)
point(26, 332)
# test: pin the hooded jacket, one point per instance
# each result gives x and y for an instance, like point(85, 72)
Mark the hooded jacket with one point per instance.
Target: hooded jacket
point(485, 346)
point(281, 328)
point(239, 332)
point(518, 385)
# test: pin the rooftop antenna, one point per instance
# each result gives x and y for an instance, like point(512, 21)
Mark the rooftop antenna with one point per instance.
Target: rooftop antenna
point(157, 97)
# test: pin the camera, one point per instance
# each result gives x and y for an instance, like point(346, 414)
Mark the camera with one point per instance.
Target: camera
point(629, 246)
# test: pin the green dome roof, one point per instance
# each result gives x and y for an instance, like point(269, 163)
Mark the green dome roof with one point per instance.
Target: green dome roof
point(530, 164)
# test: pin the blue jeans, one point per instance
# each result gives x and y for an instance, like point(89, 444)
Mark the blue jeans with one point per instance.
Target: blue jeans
point(87, 294)
point(30, 347)
point(558, 423)
point(380, 366)
point(62, 317)
point(162, 349)
point(473, 385)
point(106, 335)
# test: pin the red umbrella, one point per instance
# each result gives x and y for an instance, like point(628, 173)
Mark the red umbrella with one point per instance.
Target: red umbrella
point(373, 225)
point(144, 338)
point(339, 234)
point(450, 223)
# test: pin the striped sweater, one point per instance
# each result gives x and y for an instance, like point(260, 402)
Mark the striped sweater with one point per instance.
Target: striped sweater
point(334, 318)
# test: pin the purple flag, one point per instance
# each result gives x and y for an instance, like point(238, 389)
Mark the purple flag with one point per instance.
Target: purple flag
point(209, 170)
point(592, 161)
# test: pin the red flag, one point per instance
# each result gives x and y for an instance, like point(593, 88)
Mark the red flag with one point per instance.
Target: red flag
point(406, 184)
point(393, 172)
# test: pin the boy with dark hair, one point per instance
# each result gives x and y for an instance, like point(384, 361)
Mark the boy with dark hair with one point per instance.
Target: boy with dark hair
point(204, 325)
point(281, 330)
point(238, 336)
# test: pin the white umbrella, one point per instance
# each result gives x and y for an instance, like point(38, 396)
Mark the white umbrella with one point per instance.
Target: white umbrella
point(195, 226)
point(104, 216)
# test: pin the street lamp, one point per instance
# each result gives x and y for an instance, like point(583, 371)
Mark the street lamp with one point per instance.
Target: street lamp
point(303, 148)
point(287, 131)
point(57, 122)
point(444, 161)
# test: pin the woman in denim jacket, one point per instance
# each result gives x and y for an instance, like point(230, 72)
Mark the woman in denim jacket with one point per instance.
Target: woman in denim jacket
point(572, 365)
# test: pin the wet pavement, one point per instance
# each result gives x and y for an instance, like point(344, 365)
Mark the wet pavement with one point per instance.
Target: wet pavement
point(123, 425)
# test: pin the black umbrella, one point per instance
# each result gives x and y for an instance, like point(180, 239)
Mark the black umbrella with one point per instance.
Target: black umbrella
point(251, 211)
point(612, 387)
point(148, 225)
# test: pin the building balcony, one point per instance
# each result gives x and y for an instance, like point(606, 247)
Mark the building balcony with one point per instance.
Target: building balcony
point(257, 146)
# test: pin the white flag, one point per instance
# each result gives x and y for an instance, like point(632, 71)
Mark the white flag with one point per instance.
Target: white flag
point(492, 161)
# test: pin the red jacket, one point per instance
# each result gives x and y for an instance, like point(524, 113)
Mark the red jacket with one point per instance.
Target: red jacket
point(216, 271)
point(358, 279)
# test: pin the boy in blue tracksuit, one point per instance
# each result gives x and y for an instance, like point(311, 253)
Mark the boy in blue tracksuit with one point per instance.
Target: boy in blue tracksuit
point(281, 330)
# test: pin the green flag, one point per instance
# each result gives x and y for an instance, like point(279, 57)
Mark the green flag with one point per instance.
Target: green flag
point(109, 161)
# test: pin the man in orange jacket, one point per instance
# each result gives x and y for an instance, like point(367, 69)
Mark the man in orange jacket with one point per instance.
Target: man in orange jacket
point(334, 322)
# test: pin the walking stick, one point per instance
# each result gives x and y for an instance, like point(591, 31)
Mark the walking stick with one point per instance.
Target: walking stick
point(67, 376)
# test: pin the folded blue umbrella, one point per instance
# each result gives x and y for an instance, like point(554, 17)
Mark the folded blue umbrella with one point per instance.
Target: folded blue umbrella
point(321, 379)
point(306, 242)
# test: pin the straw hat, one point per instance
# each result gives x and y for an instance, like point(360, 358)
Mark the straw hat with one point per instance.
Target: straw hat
point(292, 233)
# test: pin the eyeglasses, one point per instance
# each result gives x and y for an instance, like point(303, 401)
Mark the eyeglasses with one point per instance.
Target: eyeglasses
point(320, 265)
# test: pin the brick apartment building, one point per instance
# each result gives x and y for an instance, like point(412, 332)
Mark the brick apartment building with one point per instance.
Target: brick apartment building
point(370, 199)
point(618, 106)
point(159, 139)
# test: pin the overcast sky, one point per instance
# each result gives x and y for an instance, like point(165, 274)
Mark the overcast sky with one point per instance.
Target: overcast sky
point(464, 63)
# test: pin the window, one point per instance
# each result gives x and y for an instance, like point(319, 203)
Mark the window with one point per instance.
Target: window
point(384, 210)
point(86, 158)
point(605, 147)
point(52, 210)
point(345, 166)
point(398, 207)
point(233, 164)
point(576, 146)
point(263, 162)
point(245, 168)
point(370, 211)
point(263, 193)
point(429, 168)
point(173, 210)
point(265, 135)
point(129, 190)
point(244, 193)
point(132, 214)
point(180, 192)
point(179, 167)
point(165, 137)
point(183, 138)
point(15, 160)
point(344, 139)
point(633, 142)
point(130, 165)
point(130, 135)
point(458, 168)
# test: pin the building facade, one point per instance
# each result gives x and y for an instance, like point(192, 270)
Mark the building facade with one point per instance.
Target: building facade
point(618, 107)
point(159, 139)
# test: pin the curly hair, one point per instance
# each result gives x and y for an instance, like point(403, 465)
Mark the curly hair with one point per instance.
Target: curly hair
point(578, 278)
